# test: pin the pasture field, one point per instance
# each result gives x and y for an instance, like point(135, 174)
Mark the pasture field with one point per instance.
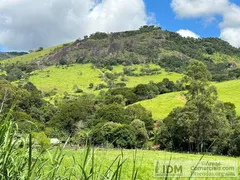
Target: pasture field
point(161, 106)
point(135, 80)
point(229, 91)
point(64, 78)
point(144, 160)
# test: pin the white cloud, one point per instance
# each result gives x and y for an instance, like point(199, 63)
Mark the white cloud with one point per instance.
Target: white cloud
point(230, 12)
point(28, 24)
point(187, 33)
point(196, 8)
point(232, 35)
point(231, 17)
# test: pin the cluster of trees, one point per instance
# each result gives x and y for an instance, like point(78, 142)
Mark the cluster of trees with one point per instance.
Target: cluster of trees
point(31, 112)
point(18, 71)
point(196, 48)
point(93, 119)
point(146, 91)
point(130, 71)
point(204, 124)
point(80, 117)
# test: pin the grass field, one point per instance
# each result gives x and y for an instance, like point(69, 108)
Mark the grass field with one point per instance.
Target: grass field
point(144, 160)
point(162, 105)
point(135, 80)
point(63, 79)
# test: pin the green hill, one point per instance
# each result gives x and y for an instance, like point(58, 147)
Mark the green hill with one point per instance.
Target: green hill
point(103, 59)
point(149, 44)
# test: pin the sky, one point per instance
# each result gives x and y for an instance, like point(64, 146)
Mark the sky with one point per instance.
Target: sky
point(29, 24)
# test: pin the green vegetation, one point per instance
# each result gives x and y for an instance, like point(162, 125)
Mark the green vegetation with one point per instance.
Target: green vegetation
point(33, 56)
point(63, 79)
point(23, 161)
point(82, 75)
point(144, 160)
point(145, 89)
point(201, 125)
point(162, 105)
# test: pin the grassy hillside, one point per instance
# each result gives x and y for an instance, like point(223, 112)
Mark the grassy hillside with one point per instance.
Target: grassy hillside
point(147, 45)
point(29, 57)
point(64, 78)
point(162, 105)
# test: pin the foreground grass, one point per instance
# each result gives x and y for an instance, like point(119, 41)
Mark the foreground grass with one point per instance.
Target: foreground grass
point(20, 161)
point(144, 160)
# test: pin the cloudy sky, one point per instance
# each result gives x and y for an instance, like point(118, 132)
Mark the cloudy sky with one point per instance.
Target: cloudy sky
point(28, 24)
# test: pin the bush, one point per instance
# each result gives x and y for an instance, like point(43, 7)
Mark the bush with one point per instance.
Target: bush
point(91, 85)
point(41, 140)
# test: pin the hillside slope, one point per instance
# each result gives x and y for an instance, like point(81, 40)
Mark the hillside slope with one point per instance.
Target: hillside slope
point(162, 105)
point(63, 79)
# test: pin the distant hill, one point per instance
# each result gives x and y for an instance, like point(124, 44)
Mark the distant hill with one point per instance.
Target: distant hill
point(6, 55)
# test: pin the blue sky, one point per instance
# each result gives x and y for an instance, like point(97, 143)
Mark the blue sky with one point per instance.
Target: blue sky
point(167, 19)
point(55, 22)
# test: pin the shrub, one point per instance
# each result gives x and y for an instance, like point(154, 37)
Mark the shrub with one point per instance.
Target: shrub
point(41, 140)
